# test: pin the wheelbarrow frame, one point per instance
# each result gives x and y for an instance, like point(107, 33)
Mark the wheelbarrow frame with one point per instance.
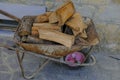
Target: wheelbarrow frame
point(60, 60)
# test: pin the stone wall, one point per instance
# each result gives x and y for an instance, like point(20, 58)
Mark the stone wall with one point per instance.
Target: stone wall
point(105, 14)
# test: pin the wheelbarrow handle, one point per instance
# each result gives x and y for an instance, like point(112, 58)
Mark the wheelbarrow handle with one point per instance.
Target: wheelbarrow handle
point(10, 16)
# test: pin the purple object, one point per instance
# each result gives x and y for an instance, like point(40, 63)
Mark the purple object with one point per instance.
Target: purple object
point(75, 57)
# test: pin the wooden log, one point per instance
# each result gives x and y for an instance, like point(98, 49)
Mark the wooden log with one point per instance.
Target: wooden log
point(53, 18)
point(81, 41)
point(56, 36)
point(35, 33)
point(26, 25)
point(37, 26)
point(82, 35)
point(76, 23)
point(43, 17)
point(65, 12)
point(31, 39)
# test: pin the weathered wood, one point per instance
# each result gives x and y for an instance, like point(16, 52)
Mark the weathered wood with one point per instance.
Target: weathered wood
point(34, 33)
point(26, 25)
point(77, 24)
point(82, 35)
point(53, 18)
point(37, 26)
point(43, 17)
point(65, 12)
point(56, 36)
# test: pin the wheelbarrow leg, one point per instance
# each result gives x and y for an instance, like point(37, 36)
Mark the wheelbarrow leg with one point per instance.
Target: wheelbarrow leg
point(22, 69)
point(21, 59)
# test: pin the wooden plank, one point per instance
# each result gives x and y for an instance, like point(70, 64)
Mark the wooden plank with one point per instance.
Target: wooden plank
point(20, 10)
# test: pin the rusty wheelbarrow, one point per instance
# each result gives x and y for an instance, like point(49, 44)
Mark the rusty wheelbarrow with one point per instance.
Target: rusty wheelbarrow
point(59, 52)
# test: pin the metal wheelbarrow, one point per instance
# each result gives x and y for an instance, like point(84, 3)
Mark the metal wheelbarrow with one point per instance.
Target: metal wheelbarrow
point(59, 51)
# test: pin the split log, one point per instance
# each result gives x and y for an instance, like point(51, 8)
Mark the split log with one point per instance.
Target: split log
point(35, 33)
point(35, 40)
point(65, 12)
point(76, 23)
point(37, 26)
point(56, 51)
point(81, 41)
point(43, 17)
point(26, 25)
point(82, 35)
point(56, 36)
point(53, 18)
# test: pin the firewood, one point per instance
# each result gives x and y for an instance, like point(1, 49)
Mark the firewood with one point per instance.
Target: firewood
point(34, 33)
point(76, 23)
point(31, 39)
point(26, 25)
point(37, 26)
point(56, 36)
point(82, 35)
point(81, 41)
point(43, 17)
point(35, 40)
point(65, 12)
point(53, 18)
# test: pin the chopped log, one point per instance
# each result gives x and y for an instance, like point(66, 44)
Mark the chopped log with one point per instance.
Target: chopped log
point(43, 17)
point(76, 23)
point(37, 26)
point(26, 25)
point(65, 12)
point(53, 18)
point(82, 35)
point(35, 33)
point(81, 41)
point(56, 51)
point(56, 36)
point(35, 40)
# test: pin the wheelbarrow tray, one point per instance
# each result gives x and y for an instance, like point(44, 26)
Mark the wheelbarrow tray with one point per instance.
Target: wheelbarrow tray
point(57, 50)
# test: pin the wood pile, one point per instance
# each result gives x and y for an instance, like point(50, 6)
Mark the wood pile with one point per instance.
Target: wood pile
point(62, 26)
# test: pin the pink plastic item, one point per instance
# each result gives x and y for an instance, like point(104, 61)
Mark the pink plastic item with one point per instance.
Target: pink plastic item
point(75, 57)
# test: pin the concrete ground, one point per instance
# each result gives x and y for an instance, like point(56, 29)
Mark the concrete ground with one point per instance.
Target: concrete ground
point(106, 68)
